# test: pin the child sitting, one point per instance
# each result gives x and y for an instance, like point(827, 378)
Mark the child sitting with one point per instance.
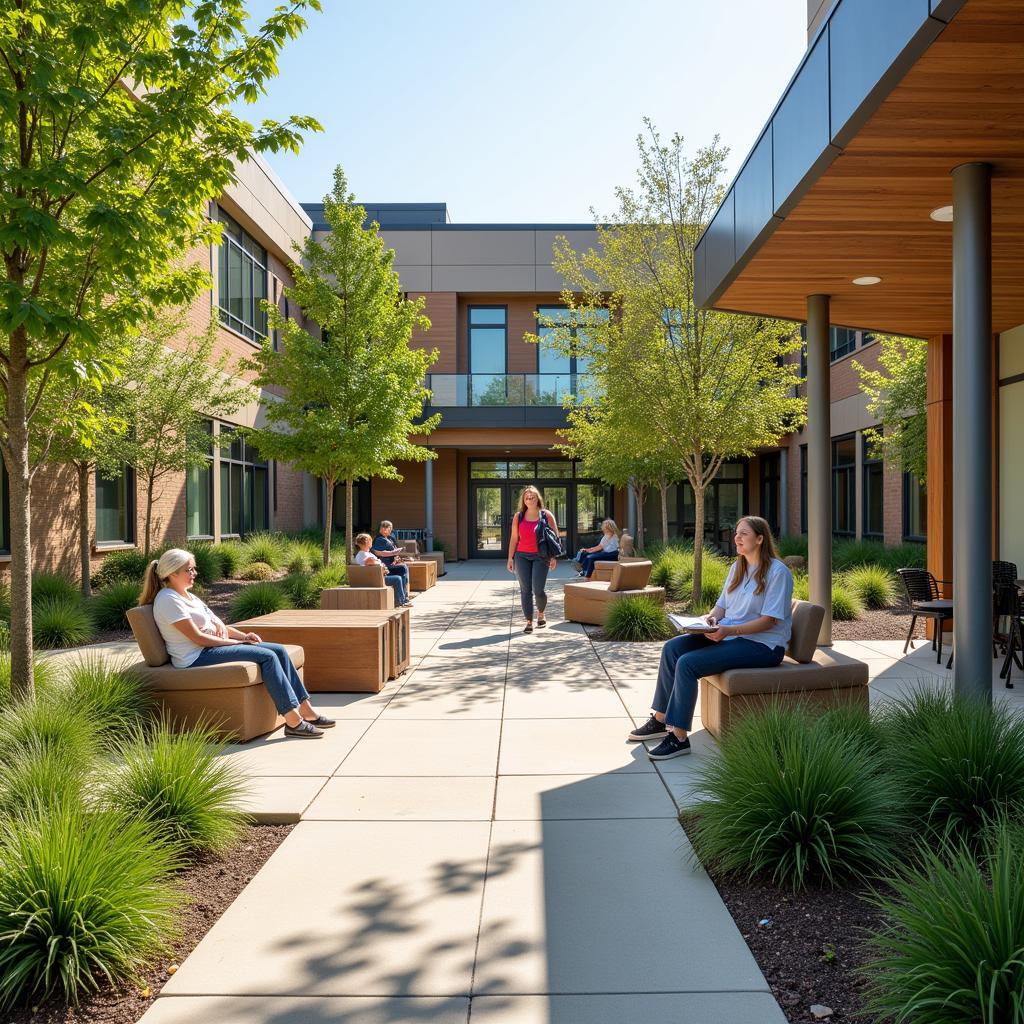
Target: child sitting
point(364, 556)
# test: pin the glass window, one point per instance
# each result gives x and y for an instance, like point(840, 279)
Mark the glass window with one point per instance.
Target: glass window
point(480, 470)
point(803, 488)
point(554, 469)
point(559, 373)
point(199, 494)
point(873, 472)
point(770, 490)
point(242, 280)
point(115, 507)
point(673, 320)
point(522, 470)
point(244, 486)
point(915, 509)
point(842, 341)
point(844, 462)
point(488, 335)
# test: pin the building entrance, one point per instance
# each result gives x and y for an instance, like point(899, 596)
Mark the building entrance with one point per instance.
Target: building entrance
point(579, 505)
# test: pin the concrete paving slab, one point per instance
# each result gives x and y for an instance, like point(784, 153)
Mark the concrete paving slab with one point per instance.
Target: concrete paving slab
point(351, 798)
point(533, 797)
point(563, 896)
point(444, 747)
point(305, 1010)
point(397, 911)
point(280, 799)
point(278, 755)
point(530, 696)
point(572, 746)
point(436, 695)
point(700, 1008)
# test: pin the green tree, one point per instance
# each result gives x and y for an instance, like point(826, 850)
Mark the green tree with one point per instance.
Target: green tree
point(168, 396)
point(350, 398)
point(898, 399)
point(713, 385)
point(116, 131)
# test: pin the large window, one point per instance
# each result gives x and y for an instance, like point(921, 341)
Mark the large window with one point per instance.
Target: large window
point(244, 487)
point(803, 488)
point(242, 281)
point(915, 509)
point(488, 345)
point(844, 486)
point(841, 342)
point(115, 507)
point(559, 374)
point(199, 494)
point(873, 478)
point(770, 490)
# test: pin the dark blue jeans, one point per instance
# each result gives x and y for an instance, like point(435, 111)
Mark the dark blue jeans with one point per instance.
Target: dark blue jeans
point(686, 658)
point(587, 561)
point(399, 583)
point(532, 573)
point(276, 668)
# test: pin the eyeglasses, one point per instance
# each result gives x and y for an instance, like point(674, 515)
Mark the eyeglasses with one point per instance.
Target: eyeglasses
point(191, 568)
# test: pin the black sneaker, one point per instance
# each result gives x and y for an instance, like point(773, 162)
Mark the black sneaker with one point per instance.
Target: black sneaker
point(652, 729)
point(669, 747)
point(304, 731)
point(322, 722)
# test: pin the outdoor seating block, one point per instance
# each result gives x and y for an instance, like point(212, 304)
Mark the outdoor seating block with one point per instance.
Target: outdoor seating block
point(230, 697)
point(437, 557)
point(341, 653)
point(603, 570)
point(371, 575)
point(591, 601)
point(399, 625)
point(357, 598)
point(818, 678)
point(422, 575)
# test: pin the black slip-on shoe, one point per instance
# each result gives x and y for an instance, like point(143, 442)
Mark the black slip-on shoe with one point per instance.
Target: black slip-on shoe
point(652, 729)
point(668, 748)
point(322, 722)
point(303, 731)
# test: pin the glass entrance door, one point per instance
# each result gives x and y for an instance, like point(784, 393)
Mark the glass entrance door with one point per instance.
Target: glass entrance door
point(490, 514)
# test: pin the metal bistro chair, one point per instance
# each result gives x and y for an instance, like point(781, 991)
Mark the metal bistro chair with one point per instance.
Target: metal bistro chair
point(925, 602)
point(1004, 591)
point(1015, 638)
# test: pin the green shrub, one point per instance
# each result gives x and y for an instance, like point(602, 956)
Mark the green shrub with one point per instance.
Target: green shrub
point(791, 544)
point(256, 571)
point(259, 599)
point(61, 622)
point(266, 547)
point(110, 606)
point(176, 782)
point(673, 570)
point(714, 570)
point(46, 585)
point(795, 802)
point(37, 776)
point(959, 762)
point(846, 554)
point(300, 590)
point(333, 575)
point(951, 947)
point(121, 566)
point(303, 556)
point(853, 722)
point(209, 566)
point(5, 602)
point(43, 672)
point(637, 619)
point(232, 558)
point(873, 585)
point(846, 605)
point(801, 587)
point(440, 545)
point(84, 899)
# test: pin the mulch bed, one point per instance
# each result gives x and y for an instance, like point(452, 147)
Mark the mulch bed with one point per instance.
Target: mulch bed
point(212, 885)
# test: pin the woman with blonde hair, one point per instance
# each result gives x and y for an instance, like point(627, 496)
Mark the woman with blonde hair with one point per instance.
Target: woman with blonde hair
point(524, 557)
point(196, 637)
point(751, 625)
point(605, 550)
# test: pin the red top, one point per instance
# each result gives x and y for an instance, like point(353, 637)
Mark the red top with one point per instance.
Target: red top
point(528, 536)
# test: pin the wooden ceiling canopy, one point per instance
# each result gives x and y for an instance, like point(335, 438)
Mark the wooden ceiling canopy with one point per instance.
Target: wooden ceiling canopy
point(868, 214)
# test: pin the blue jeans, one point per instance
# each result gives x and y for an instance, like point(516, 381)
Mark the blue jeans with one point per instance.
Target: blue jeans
point(686, 658)
point(399, 584)
point(276, 668)
point(587, 561)
point(532, 572)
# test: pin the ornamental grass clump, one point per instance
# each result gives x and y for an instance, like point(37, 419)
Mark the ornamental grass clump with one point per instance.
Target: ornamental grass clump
point(178, 784)
point(303, 556)
point(47, 585)
point(637, 619)
point(259, 599)
point(951, 949)
point(673, 570)
point(714, 570)
point(61, 622)
point(110, 606)
point(794, 802)
point(232, 557)
point(873, 585)
point(42, 671)
point(959, 762)
point(209, 567)
point(120, 567)
point(85, 899)
point(266, 547)
point(846, 604)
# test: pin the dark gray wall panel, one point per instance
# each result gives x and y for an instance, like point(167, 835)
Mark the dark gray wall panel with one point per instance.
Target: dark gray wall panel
point(700, 286)
point(801, 124)
point(946, 9)
point(721, 242)
point(755, 205)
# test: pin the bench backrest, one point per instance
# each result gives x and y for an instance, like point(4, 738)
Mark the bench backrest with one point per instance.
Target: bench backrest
point(807, 620)
point(147, 636)
point(630, 575)
point(371, 575)
point(411, 547)
point(626, 544)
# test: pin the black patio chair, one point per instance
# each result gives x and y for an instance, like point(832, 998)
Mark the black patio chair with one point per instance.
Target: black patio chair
point(1004, 593)
point(925, 602)
point(1014, 640)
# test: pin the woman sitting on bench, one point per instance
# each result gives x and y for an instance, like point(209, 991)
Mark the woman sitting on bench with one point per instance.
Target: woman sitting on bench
point(753, 619)
point(394, 579)
point(195, 637)
point(605, 550)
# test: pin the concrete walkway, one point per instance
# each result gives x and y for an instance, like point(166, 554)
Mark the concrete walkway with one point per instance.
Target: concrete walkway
point(478, 842)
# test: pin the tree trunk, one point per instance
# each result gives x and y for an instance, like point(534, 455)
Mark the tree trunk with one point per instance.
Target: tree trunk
point(663, 487)
point(328, 521)
point(150, 483)
point(639, 493)
point(83, 526)
point(22, 682)
point(698, 538)
point(349, 487)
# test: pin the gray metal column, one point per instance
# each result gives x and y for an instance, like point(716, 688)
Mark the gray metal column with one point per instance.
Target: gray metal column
point(972, 430)
point(783, 492)
point(631, 513)
point(428, 497)
point(819, 462)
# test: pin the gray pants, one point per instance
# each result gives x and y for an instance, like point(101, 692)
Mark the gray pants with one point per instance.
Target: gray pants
point(532, 573)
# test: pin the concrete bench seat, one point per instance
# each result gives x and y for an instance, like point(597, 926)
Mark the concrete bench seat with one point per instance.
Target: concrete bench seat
point(591, 601)
point(230, 697)
point(817, 677)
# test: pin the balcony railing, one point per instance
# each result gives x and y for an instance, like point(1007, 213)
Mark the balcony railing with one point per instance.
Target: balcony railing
point(474, 390)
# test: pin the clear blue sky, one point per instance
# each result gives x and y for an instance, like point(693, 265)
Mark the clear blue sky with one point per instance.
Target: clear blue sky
point(525, 110)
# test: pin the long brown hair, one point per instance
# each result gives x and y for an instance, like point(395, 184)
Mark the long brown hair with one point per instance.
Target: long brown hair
point(768, 553)
point(522, 499)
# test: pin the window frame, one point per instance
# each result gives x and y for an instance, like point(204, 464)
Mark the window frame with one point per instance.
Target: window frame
point(870, 465)
point(247, 490)
point(908, 537)
point(208, 425)
point(131, 537)
point(247, 249)
point(849, 469)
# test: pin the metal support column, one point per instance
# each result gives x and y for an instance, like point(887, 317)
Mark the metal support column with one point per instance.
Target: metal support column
point(972, 430)
point(631, 513)
point(428, 497)
point(819, 462)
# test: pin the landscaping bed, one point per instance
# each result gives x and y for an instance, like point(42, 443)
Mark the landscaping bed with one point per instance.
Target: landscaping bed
point(212, 885)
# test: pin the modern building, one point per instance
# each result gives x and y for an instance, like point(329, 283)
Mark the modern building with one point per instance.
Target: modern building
point(885, 194)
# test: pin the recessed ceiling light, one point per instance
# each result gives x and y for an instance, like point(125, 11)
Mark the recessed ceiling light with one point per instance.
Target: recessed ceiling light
point(867, 280)
point(943, 214)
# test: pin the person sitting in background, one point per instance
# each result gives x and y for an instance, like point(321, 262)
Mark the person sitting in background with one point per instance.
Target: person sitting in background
point(389, 552)
point(605, 550)
point(397, 582)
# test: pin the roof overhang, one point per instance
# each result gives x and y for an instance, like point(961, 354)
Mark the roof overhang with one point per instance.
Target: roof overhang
point(890, 97)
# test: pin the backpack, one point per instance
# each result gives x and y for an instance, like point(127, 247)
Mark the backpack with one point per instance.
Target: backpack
point(549, 543)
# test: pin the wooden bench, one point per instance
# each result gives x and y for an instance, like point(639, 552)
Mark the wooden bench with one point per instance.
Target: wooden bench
point(422, 575)
point(358, 598)
point(590, 601)
point(399, 624)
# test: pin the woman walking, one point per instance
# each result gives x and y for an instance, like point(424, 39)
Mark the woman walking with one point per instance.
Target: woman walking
point(753, 618)
point(524, 557)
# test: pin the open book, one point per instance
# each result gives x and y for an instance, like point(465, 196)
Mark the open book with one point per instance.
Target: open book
point(690, 623)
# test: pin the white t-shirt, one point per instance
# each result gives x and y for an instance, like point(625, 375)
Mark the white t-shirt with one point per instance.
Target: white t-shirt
point(608, 544)
point(170, 607)
point(367, 558)
point(743, 605)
